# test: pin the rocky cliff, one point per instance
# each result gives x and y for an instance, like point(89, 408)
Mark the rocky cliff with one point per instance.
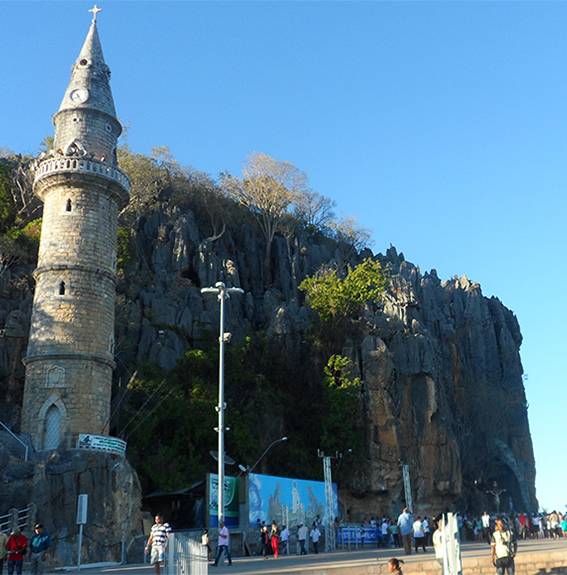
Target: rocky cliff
point(52, 482)
point(439, 361)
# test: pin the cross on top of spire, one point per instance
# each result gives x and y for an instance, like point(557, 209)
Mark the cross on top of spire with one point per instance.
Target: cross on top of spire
point(95, 10)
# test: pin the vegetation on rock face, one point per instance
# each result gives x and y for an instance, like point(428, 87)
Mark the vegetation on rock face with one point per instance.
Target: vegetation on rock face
point(20, 224)
point(170, 444)
point(342, 427)
point(124, 249)
point(335, 298)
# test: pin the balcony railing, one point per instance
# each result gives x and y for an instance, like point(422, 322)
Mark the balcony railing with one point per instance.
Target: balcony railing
point(81, 165)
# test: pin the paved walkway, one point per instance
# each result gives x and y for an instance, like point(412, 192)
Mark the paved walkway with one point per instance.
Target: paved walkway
point(294, 565)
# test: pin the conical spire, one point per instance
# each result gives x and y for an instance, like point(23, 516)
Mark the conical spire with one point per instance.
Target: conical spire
point(89, 86)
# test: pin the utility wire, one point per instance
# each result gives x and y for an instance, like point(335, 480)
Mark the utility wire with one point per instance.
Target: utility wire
point(120, 400)
point(152, 410)
point(148, 399)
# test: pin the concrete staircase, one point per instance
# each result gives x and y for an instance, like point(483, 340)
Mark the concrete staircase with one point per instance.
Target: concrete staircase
point(14, 447)
point(554, 562)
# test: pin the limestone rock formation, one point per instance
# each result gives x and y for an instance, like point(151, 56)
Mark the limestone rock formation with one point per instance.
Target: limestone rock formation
point(440, 362)
point(52, 483)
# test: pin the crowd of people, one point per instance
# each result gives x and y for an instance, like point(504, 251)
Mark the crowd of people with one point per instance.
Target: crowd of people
point(408, 531)
point(501, 532)
point(275, 540)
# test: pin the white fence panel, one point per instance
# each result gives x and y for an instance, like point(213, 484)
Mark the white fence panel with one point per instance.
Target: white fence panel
point(186, 556)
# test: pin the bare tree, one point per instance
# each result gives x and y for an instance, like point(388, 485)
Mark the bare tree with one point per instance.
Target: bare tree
point(148, 175)
point(16, 180)
point(268, 188)
point(351, 236)
point(10, 254)
point(21, 188)
point(314, 210)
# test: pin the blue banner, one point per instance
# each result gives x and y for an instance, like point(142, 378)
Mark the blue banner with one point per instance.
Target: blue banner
point(287, 501)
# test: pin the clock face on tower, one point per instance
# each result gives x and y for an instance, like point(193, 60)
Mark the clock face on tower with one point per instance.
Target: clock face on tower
point(79, 96)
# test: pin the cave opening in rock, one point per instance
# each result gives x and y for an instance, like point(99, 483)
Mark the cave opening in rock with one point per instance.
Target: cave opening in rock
point(189, 273)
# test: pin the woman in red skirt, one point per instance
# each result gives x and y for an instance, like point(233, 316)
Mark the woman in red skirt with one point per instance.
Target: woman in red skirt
point(275, 538)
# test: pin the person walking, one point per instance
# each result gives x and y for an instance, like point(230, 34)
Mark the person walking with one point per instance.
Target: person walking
point(418, 534)
point(503, 548)
point(223, 545)
point(275, 539)
point(426, 531)
point(302, 538)
point(284, 538)
point(315, 536)
point(486, 526)
point(17, 547)
point(265, 539)
point(157, 542)
point(3, 550)
point(205, 543)
point(405, 524)
point(438, 541)
point(39, 544)
point(385, 532)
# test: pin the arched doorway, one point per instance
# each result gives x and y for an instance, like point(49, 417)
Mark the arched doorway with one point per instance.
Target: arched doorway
point(52, 427)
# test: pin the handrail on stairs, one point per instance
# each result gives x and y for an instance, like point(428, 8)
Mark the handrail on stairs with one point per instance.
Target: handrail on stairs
point(16, 438)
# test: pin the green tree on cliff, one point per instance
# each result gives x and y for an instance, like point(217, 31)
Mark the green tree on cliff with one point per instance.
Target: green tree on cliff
point(334, 298)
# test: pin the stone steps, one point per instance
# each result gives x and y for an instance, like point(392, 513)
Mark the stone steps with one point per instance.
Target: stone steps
point(526, 563)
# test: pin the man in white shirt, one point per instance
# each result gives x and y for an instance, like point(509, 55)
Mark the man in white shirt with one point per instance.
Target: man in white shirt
point(315, 536)
point(157, 542)
point(223, 545)
point(302, 537)
point(385, 531)
point(418, 534)
point(438, 541)
point(504, 547)
point(485, 518)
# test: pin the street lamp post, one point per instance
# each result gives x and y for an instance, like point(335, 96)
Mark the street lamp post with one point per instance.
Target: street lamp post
point(223, 293)
point(250, 469)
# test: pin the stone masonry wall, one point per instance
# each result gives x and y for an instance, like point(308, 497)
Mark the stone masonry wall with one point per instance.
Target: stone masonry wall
point(96, 132)
point(71, 346)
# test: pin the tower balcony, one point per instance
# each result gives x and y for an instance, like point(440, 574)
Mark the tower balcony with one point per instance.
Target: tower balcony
point(61, 165)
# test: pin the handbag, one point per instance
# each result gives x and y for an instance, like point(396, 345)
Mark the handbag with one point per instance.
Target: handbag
point(503, 562)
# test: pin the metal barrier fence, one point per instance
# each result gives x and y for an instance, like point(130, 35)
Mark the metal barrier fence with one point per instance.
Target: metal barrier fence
point(186, 556)
point(355, 537)
point(21, 518)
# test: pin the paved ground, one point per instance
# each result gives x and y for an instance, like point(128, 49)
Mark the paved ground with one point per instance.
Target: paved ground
point(294, 565)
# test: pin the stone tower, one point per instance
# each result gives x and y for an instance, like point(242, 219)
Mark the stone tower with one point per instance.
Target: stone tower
point(69, 360)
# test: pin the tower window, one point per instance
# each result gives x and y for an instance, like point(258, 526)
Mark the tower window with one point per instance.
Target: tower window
point(68, 205)
point(62, 288)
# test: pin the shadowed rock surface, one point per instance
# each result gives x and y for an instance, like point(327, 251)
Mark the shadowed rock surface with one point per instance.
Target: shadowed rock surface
point(53, 481)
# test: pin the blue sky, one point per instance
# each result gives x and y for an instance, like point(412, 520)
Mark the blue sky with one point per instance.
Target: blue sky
point(441, 126)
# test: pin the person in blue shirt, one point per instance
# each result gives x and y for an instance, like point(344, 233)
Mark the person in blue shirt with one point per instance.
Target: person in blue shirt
point(39, 544)
point(405, 523)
